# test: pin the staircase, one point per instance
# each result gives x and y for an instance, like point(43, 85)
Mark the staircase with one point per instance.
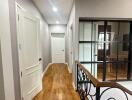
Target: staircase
point(91, 89)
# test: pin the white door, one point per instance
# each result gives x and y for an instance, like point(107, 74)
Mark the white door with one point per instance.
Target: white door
point(58, 48)
point(28, 29)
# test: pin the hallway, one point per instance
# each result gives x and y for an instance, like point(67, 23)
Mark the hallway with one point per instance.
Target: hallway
point(57, 84)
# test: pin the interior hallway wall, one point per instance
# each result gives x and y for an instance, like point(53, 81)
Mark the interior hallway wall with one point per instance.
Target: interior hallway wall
point(71, 24)
point(2, 91)
point(57, 28)
point(44, 31)
point(6, 51)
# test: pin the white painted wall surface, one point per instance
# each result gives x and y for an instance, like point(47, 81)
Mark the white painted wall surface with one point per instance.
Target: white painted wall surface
point(5, 36)
point(104, 8)
point(71, 23)
point(2, 92)
point(57, 28)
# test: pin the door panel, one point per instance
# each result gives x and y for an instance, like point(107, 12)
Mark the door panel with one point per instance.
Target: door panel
point(28, 29)
point(58, 49)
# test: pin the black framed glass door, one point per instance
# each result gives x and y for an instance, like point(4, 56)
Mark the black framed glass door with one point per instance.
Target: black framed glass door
point(104, 48)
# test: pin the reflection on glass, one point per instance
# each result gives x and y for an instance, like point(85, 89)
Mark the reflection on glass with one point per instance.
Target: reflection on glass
point(122, 71)
point(85, 31)
point(99, 71)
point(85, 52)
point(111, 53)
point(111, 71)
point(110, 47)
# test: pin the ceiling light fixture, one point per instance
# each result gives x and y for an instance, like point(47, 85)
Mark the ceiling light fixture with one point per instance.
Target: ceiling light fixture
point(55, 9)
point(57, 22)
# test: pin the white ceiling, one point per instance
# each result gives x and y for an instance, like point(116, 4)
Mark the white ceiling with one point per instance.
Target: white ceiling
point(64, 9)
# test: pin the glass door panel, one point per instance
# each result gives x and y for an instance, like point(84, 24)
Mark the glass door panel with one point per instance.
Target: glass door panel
point(104, 47)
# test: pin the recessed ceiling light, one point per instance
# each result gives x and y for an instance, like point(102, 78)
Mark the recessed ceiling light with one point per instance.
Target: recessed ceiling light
point(55, 9)
point(57, 22)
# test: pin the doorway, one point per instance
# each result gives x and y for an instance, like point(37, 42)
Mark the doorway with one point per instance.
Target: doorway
point(58, 47)
point(104, 48)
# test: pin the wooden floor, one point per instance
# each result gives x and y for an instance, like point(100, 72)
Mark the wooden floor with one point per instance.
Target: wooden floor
point(57, 84)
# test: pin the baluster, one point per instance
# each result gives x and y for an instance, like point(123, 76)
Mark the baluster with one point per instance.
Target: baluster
point(98, 93)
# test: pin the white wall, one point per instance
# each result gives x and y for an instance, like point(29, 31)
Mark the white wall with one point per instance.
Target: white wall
point(104, 8)
point(44, 31)
point(71, 23)
point(2, 92)
point(5, 36)
point(57, 28)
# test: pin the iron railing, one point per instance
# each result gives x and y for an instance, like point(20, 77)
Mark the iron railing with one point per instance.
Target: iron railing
point(89, 88)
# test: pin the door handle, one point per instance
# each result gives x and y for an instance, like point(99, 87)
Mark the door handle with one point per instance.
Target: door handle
point(40, 59)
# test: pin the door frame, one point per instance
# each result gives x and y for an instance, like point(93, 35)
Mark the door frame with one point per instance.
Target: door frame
point(70, 47)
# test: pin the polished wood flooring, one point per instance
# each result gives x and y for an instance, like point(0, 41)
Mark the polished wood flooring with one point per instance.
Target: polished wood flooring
point(57, 84)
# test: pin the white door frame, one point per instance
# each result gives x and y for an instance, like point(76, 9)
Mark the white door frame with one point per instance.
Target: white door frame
point(70, 47)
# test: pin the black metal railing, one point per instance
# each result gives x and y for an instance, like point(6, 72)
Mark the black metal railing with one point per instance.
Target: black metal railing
point(89, 88)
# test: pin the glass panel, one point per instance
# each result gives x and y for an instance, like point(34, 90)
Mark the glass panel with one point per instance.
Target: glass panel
point(111, 53)
point(122, 70)
point(88, 67)
point(94, 52)
point(99, 71)
point(87, 31)
point(81, 52)
point(116, 46)
point(92, 68)
point(81, 31)
point(122, 55)
point(87, 52)
point(111, 71)
point(97, 29)
point(100, 52)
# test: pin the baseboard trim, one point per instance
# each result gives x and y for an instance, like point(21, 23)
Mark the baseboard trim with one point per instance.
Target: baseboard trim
point(46, 69)
point(68, 68)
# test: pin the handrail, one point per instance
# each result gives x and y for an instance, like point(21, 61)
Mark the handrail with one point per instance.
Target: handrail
point(97, 83)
